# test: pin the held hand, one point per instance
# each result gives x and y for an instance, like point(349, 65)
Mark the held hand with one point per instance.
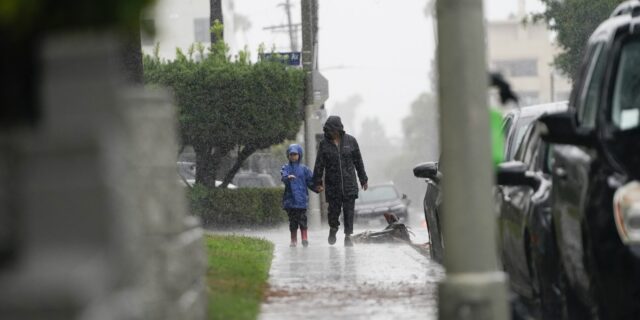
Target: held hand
point(365, 186)
point(320, 188)
point(291, 177)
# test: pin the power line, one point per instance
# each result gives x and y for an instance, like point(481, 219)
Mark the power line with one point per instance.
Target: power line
point(290, 27)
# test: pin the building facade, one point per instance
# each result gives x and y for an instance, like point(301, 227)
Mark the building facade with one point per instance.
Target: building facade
point(524, 54)
point(179, 24)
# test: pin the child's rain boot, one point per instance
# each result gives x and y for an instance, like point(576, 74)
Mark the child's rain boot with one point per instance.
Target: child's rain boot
point(294, 238)
point(303, 232)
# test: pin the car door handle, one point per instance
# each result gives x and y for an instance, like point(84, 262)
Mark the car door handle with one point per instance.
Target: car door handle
point(560, 172)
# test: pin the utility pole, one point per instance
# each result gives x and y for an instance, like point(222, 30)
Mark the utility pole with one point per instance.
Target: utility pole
point(473, 287)
point(316, 93)
point(290, 27)
point(293, 37)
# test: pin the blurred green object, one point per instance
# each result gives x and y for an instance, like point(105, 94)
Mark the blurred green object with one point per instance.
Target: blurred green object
point(497, 137)
point(27, 16)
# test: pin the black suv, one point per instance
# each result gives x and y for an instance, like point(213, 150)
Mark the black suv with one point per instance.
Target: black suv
point(525, 239)
point(596, 152)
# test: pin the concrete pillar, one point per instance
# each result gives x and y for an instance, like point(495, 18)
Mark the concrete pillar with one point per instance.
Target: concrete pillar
point(473, 288)
point(104, 230)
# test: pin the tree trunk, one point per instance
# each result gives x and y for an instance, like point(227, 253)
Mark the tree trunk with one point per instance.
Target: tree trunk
point(215, 14)
point(242, 156)
point(205, 174)
point(207, 163)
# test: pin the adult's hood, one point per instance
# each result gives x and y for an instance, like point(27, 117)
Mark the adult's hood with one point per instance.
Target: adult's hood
point(295, 148)
point(333, 123)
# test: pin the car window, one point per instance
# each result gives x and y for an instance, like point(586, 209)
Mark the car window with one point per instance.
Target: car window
point(522, 147)
point(590, 93)
point(514, 141)
point(548, 159)
point(506, 125)
point(626, 93)
point(530, 149)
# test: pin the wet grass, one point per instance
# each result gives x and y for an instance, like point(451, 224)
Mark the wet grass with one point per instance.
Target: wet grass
point(237, 273)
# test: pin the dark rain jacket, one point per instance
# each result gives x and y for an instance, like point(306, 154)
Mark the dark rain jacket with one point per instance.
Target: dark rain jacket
point(339, 164)
point(296, 195)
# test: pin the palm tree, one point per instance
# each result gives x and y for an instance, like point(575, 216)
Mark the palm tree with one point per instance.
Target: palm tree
point(215, 14)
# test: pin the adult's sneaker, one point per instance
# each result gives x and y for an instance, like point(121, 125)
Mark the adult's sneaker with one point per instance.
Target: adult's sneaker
point(332, 235)
point(347, 241)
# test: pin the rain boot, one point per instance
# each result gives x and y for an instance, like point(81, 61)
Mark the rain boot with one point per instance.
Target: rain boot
point(347, 240)
point(294, 238)
point(332, 235)
point(303, 233)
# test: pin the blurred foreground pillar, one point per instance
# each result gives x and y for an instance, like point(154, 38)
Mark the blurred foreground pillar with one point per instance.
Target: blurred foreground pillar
point(104, 232)
point(473, 288)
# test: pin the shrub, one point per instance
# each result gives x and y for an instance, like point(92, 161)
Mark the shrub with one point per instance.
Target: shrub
point(218, 207)
point(229, 105)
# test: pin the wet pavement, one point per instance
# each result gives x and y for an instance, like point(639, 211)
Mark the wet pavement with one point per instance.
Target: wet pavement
point(367, 281)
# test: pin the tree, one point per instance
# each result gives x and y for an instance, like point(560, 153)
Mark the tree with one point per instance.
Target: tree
point(227, 105)
point(347, 110)
point(215, 14)
point(421, 140)
point(574, 21)
point(376, 148)
point(420, 128)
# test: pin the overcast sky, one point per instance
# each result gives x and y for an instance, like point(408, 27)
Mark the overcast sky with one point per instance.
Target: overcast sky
point(378, 49)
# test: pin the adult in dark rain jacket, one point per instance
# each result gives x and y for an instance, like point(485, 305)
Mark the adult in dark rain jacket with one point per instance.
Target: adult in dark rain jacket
point(340, 163)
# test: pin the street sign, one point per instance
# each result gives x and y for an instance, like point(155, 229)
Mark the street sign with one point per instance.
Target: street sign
point(288, 58)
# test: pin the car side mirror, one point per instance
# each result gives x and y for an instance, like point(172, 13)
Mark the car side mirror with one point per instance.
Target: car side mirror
point(514, 173)
point(428, 170)
point(404, 196)
point(561, 128)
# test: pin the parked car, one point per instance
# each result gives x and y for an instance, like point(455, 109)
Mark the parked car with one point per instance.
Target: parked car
point(514, 125)
point(596, 153)
point(253, 180)
point(525, 238)
point(431, 204)
point(379, 199)
point(516, 121)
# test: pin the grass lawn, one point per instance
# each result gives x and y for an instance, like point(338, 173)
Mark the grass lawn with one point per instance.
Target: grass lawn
point(237, 272)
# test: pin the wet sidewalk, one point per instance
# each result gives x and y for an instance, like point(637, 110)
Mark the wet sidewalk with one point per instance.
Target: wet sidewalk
point(367, 281)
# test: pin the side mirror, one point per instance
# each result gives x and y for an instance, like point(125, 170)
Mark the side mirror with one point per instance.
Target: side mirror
point(514, 173)
point(428, 170)
point(561, 128)
point(404, 196)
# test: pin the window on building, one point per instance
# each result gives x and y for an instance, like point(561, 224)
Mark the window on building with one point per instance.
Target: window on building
point(528, 98)
point(518, 68)
point(147, 29)
point(201, 29)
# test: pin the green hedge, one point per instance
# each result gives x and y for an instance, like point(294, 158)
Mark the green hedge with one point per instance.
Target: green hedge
point(221, 207)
